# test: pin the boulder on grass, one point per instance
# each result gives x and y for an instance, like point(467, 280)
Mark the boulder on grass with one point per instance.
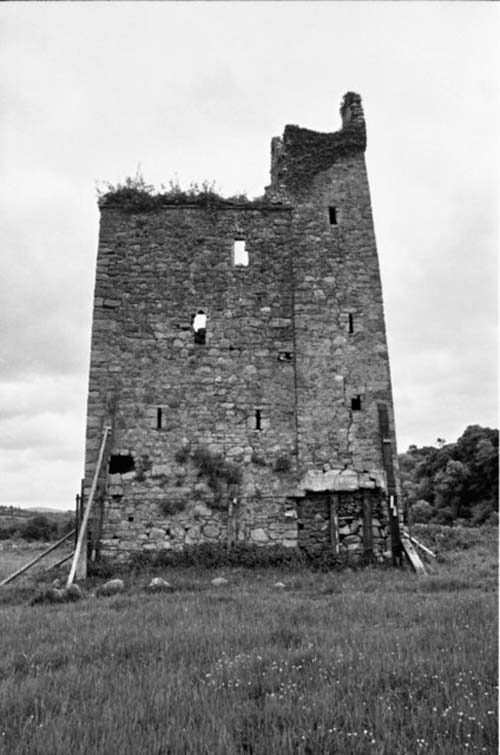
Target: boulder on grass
point(158, 584)
point(112, 587)
point(49, 595)
point(73, 593)
point(219, 581)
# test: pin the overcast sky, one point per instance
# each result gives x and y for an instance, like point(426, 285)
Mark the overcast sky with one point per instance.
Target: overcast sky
point(196, 91)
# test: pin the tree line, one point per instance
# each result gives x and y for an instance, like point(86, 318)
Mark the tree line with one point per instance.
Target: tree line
point(37, 527)
point(453, 482)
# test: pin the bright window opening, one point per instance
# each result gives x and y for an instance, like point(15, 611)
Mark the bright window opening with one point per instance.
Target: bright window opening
point(240, 254)
point(199, 325)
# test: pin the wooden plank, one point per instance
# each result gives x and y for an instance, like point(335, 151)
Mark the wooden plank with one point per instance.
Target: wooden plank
point(334, 525)
point(421, 545)
point(383, 420)
point(61, 561)
point(413, 556)
point(83, 527)
point(229, 540)
point(37, 559)
point(367, 524)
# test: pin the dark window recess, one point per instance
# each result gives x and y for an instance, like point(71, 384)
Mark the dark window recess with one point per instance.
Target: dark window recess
point(356, 403)
point(351, 324)
point(131, 518)
point(121, 463)
point(159, 418)
point(285, 356)
point(332, 215)
point(199, 325)
point(258, 419)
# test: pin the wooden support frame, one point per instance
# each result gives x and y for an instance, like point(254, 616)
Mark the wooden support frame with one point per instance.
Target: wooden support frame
point(83, 528)
point(413, 556)
point(38, 558)
point(367, 524)
point(334, 525)
point(230, 527)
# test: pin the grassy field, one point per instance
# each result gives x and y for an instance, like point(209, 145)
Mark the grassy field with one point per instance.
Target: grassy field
point(371, 661)
point(15, 555)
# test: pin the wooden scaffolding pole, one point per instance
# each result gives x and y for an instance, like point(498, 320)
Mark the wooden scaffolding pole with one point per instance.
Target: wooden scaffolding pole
point(83, 527)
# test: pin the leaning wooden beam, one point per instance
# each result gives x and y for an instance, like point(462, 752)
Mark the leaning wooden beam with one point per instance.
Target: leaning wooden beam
point(37, 559)
point(61, 561)
point(413, 556)
point(420, 545)
point(83, 526)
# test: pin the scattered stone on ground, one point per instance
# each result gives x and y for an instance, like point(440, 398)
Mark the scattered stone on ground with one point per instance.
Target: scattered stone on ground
point(73, 593)
point(158, 584)
point(280, 585)
point(57, 595)
point(219, 581)
point(112, 587)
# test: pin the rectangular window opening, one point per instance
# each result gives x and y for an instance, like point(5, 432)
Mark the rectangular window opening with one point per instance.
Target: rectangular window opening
point(159, 418)
point(121, 464)
point(199, 326)
point(258, 419)
point(351, 323)
point(356, 403)
point(240, 254)
point(332, 215)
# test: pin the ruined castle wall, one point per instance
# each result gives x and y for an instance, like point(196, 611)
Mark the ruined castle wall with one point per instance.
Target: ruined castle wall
point(271, 431)
point(339, 323)
point(155, 270)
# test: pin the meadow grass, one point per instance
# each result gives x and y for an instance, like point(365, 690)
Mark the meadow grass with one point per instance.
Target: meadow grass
point(372, 661)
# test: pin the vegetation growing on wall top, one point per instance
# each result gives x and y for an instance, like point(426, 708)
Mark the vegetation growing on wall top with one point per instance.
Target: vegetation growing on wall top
point(135, 195)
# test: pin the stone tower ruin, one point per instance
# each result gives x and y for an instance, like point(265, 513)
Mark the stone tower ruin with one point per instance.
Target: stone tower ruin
point(239, 355)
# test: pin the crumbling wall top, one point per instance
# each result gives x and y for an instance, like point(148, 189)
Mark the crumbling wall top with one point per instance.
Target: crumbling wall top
point(302, 153)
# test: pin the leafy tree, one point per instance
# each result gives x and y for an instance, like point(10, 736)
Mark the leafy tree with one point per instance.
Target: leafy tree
point(450, 486)
point(421, 512)
point(38, 528)
point(458, 480)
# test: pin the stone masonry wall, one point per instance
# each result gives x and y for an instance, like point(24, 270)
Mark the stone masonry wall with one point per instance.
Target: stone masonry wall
point(155, 270)
point(233, 439)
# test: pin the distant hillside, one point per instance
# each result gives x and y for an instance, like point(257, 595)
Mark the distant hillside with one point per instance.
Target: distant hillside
point(48, 510)
point(15, 512)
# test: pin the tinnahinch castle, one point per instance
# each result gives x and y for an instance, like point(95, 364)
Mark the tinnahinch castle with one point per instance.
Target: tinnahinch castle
point(239, 356)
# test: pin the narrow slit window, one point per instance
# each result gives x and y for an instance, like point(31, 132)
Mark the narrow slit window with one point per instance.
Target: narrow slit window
point(258, 419)
point(356, 403)
point(332, 215)
point(351, 323)
point(199, 325)
point(240, 254)
point(159, 418)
